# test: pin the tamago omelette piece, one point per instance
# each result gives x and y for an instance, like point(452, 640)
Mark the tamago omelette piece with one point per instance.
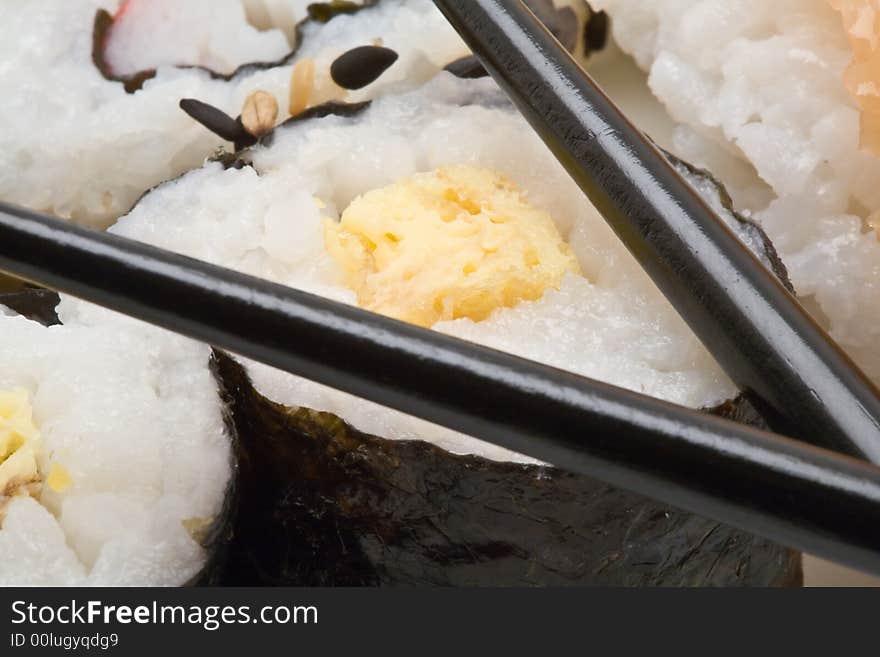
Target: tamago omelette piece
point(456, 242)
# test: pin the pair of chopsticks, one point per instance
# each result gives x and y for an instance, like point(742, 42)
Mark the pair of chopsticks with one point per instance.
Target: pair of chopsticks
point(802, 496)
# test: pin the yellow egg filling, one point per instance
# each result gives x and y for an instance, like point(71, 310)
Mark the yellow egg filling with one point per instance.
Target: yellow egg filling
point(461, 241)
point(59, 479)
point(19, 444)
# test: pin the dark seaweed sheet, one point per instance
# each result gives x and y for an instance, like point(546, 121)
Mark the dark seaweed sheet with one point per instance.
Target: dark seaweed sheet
point(322, 504)
point(33, 302)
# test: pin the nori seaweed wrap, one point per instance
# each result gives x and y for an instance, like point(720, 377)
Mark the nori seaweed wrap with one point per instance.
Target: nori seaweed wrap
point(322, 504)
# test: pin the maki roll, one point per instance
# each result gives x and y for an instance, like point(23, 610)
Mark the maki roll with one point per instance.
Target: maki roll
point(115, 460)
point(92, 119)
point(355, 207)
point(438, 206)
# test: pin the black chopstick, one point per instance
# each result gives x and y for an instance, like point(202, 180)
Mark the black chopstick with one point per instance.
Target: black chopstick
point(801, 496)
point(766, 342)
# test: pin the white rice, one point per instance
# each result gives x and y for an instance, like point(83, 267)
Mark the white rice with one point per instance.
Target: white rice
point(612, 324)
point(216, 34)
point(762, 84)
point(137, 424)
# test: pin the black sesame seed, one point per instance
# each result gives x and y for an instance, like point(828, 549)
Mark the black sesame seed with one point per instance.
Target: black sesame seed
point(360, 66)
point(215, 120)
point(467, 67)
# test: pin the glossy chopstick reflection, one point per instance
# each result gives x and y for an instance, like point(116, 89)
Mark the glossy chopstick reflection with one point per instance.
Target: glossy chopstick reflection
point(766, 342)
point(771, 486)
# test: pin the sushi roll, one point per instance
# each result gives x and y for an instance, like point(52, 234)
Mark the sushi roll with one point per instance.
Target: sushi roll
point(92, 121)
point(299, 209)
point(438, 206)
point(115, 459)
